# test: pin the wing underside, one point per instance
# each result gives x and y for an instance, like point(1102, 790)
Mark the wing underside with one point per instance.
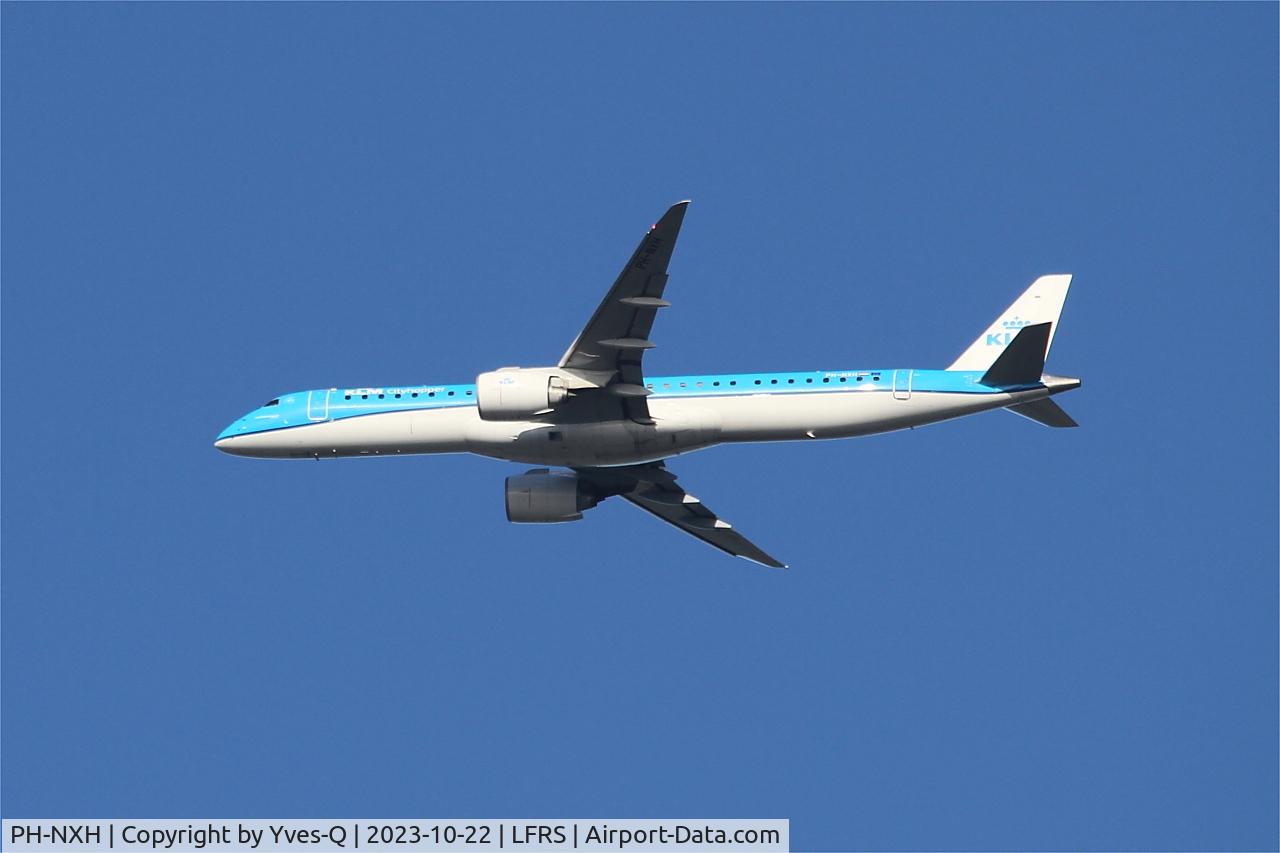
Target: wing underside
point(610, 349)
point(615, 338)
point(654, 489)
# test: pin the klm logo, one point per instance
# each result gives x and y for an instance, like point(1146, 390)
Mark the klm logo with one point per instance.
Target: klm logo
point(1011, 327)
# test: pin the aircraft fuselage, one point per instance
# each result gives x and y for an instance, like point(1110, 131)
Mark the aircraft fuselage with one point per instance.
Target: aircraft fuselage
point(688, 413)
point(597, 412)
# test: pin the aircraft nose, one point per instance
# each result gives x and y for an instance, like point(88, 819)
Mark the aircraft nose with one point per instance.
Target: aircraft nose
point(250, 434)
point(238, 445)
point(227, 443)
point(226, 439)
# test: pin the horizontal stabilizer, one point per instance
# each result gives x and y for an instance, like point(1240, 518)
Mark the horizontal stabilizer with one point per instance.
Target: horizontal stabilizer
point(1045, 412)
point(1022, 361)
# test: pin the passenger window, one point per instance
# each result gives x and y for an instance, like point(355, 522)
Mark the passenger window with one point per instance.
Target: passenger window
point(757, 381)
point(791, 382)
point(773, 382)
point(415, 393)
point(733, 382)
point(809, 380)
point(717, 384)
point(450, 393)
point(826, 379)
point(348, 397)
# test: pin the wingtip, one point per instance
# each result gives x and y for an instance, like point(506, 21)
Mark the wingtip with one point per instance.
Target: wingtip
point(674, 213)
point(763, 560)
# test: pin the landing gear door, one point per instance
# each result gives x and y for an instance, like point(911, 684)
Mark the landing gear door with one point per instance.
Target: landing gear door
point(318, 405)
point(902, 385)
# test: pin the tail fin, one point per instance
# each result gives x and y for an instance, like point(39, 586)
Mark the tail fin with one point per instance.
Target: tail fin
point(1022, 361)
point(1039, 303)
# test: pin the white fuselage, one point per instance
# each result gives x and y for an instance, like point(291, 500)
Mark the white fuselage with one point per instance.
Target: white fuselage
point(680, 425)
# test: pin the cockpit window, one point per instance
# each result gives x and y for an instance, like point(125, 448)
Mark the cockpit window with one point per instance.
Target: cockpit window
point(274, 402)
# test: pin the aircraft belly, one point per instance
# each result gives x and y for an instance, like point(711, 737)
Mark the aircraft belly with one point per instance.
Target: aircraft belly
point(441, 430)
point(679, 426)
point(793, 417)
point(387, 433)
point(618, 442)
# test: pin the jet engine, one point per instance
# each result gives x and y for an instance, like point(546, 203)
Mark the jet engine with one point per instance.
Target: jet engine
point(514, 393)
point(543, 497)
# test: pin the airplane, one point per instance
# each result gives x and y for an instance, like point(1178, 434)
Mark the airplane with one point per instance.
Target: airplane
point(608, 428)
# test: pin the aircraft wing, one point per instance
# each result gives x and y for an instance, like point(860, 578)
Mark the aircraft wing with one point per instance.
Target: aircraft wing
point(653, 488)
point(617, 334)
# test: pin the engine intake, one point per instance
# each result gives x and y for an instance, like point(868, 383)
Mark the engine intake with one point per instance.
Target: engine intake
point(542, 497)
point(514, 394)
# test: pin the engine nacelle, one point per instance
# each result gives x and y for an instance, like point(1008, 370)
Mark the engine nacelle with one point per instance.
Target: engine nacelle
point(516, 393)
point(542, 497)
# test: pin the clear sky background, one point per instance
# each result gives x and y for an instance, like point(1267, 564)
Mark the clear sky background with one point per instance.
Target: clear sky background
point(994, 635)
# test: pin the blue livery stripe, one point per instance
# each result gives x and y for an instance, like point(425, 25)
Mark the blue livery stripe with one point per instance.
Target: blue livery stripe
point(307, 407)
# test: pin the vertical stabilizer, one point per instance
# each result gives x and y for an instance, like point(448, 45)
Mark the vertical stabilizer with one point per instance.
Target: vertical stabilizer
point(1022, 361)
point(1039, 303)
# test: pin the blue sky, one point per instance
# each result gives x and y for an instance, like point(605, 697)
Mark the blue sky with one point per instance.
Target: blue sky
point(994, 635)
